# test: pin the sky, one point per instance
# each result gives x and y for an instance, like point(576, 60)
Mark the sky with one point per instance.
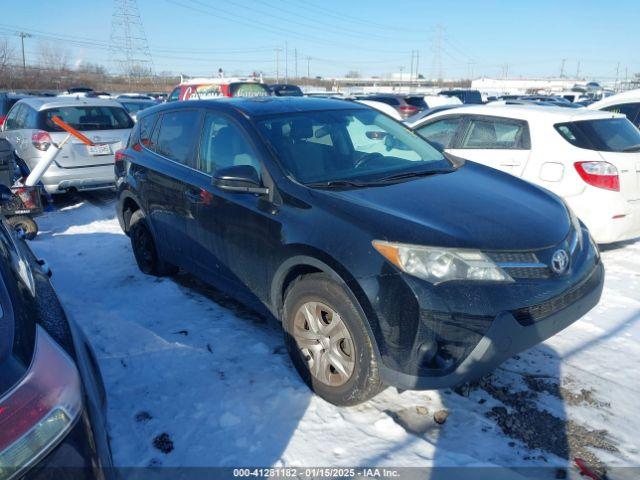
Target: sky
point(492, 38)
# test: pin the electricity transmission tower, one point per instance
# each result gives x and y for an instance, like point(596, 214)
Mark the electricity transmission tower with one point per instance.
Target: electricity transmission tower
point(436, 46)
point(128, 46)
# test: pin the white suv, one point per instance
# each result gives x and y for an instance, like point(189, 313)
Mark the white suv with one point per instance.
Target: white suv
point(30, 130)
point(589, 158)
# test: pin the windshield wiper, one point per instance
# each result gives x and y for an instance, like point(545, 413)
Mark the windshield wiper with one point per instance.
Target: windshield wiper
point(402, 176)
point(632, 148)
point(337, 183)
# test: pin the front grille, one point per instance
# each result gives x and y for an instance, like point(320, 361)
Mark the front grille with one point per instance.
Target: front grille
point(534, 313)
point(513, 257)
point(528, 272)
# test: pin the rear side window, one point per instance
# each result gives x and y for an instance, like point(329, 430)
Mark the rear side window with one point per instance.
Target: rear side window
point(631, 110)
point(86, 118)
point(416, 102)
point(388, 100)
point(498, 134)
point(146, 125)
point(13, 120)
point(176, 135)
point(175, 95)
point(442, 132)
point(605, 135)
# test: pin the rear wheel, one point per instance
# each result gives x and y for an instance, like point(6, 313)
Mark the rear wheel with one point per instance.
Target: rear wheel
point(328, 342)
point(24, 225)
point(144, 248)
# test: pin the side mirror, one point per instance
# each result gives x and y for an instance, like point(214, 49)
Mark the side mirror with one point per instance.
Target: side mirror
point(5, 194)
point(239, 178)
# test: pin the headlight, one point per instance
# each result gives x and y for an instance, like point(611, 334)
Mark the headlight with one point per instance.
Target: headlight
point(437, 265)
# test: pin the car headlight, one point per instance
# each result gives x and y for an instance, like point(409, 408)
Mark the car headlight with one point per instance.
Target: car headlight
point(437, 264)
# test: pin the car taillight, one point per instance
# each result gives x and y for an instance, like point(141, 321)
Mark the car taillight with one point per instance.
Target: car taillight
point(599, 174)
point(37, 413)
point(41, 140)
point(2, 117)
point(408, 110)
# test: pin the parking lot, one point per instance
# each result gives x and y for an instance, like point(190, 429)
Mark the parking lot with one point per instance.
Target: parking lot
point(188, 369)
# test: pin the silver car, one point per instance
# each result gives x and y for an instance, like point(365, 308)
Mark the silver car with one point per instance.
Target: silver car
point(29, 128)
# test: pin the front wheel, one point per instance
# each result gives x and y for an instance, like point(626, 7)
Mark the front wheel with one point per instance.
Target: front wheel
point(328, 342)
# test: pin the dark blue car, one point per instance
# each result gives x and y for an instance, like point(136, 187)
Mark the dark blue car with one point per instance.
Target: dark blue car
point(387, 261)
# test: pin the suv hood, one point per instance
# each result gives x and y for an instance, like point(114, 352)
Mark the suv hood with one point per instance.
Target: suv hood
point(472, 207)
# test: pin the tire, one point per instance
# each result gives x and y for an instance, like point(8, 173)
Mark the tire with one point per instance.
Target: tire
point(144, 248)
point(24, 224)
point(341, 370)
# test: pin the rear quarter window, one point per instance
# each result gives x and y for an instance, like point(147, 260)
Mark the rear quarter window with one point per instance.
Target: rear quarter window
point(604, 135)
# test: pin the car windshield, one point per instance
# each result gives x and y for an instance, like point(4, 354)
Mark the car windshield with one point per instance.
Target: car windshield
point(605, 135)
point(86, 118)
point(361, 146)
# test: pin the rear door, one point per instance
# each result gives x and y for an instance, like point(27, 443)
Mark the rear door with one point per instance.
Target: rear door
point(500, 143)
point(166, 171)
point(106, 126)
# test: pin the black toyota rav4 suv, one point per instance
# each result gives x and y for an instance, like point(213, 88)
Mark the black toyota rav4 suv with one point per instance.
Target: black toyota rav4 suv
point(387, 261)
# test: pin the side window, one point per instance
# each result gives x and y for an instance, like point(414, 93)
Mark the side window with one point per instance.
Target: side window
point(12, 120)
point(176, 135)
point(145, 128)
point(30, 117)
point(631, 110)
point(223, 144)
point(174, 96)
point(441, 132)
point(496, 134)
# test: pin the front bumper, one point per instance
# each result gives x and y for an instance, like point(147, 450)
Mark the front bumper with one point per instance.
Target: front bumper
point(505, 337)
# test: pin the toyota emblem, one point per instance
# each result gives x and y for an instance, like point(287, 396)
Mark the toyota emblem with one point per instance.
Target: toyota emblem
point(559, 261)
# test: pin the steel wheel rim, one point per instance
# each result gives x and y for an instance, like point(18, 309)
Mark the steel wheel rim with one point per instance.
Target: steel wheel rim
point(325, 343)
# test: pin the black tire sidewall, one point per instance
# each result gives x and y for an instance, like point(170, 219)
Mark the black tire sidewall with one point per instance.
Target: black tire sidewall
point(364, 382)
point(139, 227)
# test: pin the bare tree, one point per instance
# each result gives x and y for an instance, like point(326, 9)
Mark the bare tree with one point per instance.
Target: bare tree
point(53, 57)
point(6, 53)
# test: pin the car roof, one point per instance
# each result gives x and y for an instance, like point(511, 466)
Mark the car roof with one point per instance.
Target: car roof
point(529, 112)
point(630, 96)
point(42, 103)
point(259, 106)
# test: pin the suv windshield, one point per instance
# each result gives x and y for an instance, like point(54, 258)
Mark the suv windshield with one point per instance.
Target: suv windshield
point(86, 118)
point(605, 135)
point(348, 145)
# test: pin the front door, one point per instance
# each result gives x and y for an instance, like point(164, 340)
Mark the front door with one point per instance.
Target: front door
point(235, 234)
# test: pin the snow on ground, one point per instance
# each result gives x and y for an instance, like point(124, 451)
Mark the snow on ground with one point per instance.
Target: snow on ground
point(183, 360)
